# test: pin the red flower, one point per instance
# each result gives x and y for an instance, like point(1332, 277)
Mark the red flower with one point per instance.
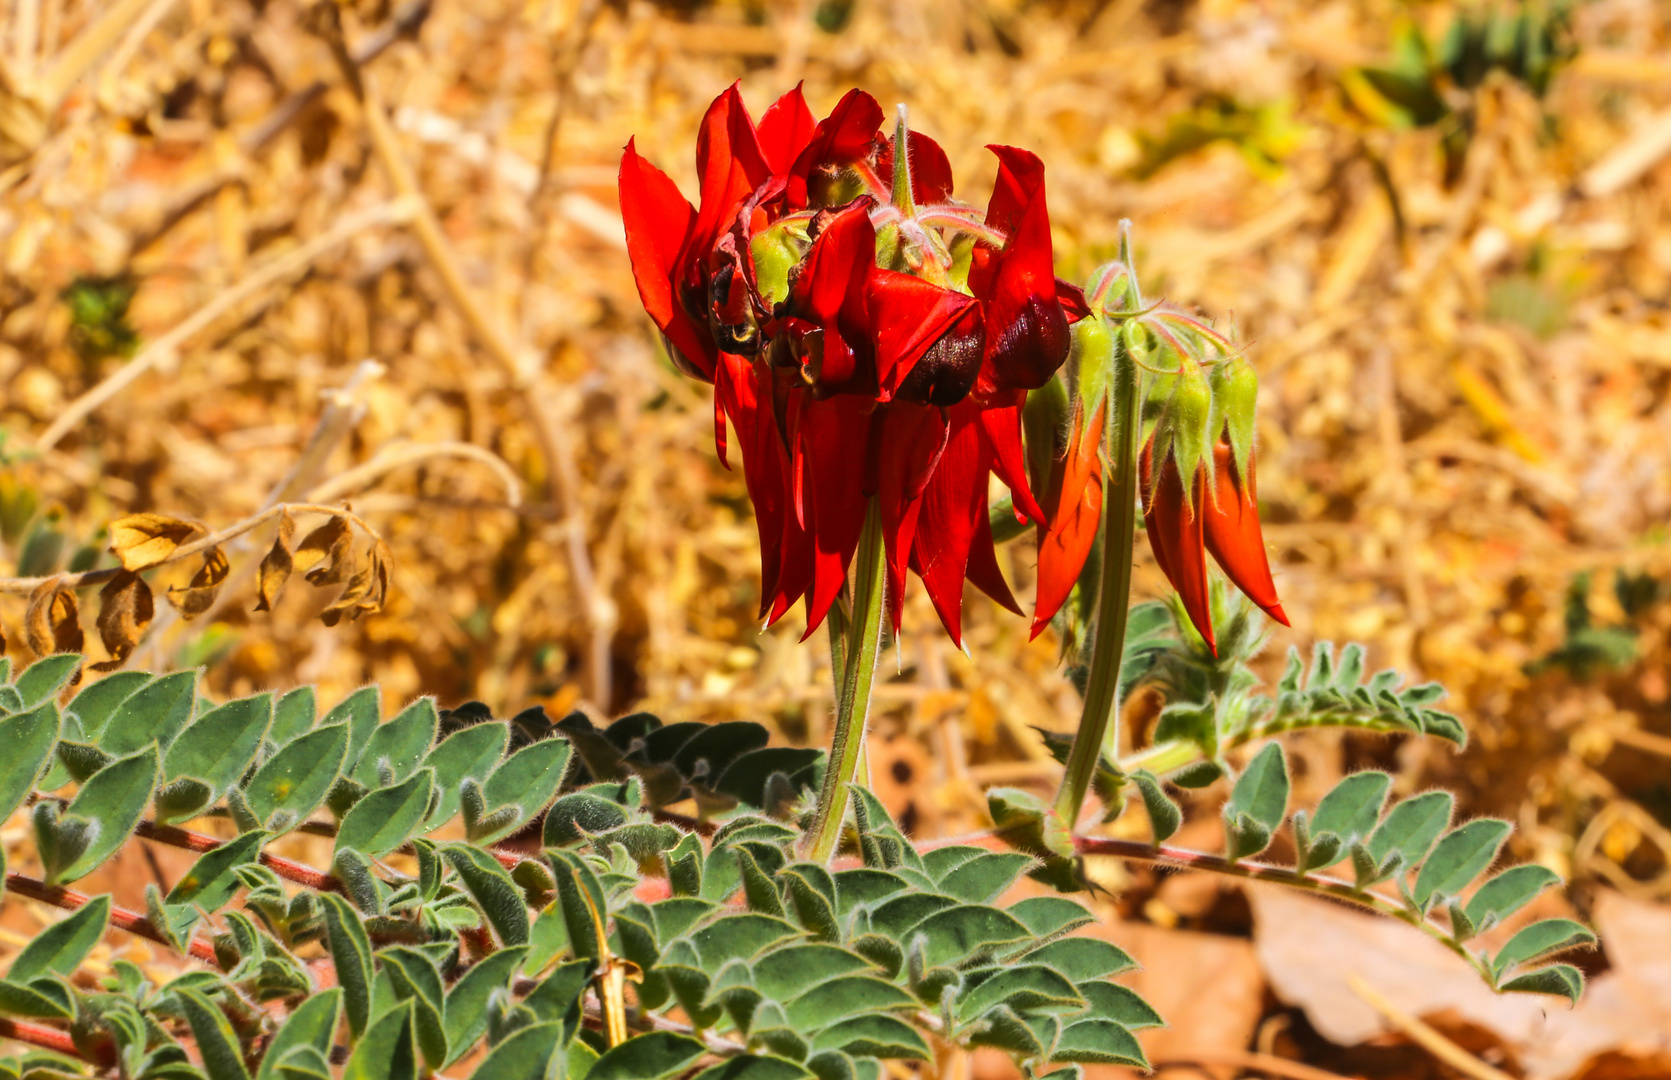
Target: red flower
point(855, 355)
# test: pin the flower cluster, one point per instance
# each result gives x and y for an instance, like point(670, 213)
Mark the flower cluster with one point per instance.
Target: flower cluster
point(871, 339)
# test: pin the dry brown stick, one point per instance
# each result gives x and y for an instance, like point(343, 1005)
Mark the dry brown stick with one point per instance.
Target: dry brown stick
point(1269, 1064)
point(164, 347)
point(1426, 1037)
point(517, 361)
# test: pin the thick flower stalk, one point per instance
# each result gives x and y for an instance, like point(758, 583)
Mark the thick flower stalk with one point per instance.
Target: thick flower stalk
point(869, 337)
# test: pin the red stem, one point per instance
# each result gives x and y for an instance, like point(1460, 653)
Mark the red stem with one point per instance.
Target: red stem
point(289, 869)
point(47, 1038)
point(133, 922)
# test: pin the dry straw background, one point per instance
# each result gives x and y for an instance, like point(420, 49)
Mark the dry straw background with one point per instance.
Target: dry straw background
point(376, 256)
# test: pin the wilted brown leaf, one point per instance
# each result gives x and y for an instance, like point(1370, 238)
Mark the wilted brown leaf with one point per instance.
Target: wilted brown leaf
point(126, 608)
point(53, 621)
point(324, 554)
point(276, 567)
point(366, 590)
point(195, 598)
point(143, 540)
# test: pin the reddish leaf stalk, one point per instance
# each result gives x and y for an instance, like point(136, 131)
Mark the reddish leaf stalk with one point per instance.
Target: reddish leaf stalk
point(132, 922)
point(47, 1038)
point(289, 869)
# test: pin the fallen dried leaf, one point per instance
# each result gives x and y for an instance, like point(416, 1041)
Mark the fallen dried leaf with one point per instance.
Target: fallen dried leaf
point(126, 608)
point(276, 566)
point(53, 621)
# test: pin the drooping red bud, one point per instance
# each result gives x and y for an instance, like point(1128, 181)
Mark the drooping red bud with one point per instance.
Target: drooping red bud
point(1176, 536)
point(1074, 506)
point(1233, 535)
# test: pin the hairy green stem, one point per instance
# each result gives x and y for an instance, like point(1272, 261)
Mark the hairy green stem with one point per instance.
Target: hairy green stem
point(1099, 722)
point(864, 635)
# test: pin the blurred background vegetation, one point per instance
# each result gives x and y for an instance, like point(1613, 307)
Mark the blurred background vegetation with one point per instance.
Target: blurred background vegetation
point(1444, 227)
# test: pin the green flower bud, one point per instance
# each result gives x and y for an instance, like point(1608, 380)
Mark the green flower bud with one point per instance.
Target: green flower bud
point(1185, 423)
point(1044, 421)
point(1091, 360)
point(1235, 388)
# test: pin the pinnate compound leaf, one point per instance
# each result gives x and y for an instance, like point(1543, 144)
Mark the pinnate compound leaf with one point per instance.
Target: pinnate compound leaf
point(1458, 858)
point(311, 1024)
point(111, 802)
point(351, 955)
point(1508, 892)
point(396, 748)
point(1541, 939)
point(491, 887)
point(388, 817)
point(28, 738)
point(651, 1056)
point(1099, 1042)
point(43, 679)
point(755, 1067)
point(61, 947)
point(294, 781)
point(387, 1050)
point(216, 1044)
point(526, 1055)
point(1561, 980)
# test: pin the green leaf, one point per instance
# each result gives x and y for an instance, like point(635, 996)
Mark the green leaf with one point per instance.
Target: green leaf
point(1562, 980)
point(28, 738)
point(1541, 939)
point(388, 817)
point(397, 747)
point(739, 937)
point(351, 955)
point(216, 1045)
point(61, 947)
point(573, 817)
point(789, 972)
point(965, 935)
point(43, 1001)
point(491, 887)
point(1027, 987)
point(218, 747)
point(43, 679)
point(97, 702)
point(755, 1067)
point(848, 995)
point(1260, 796)
point(466, 1005)
point(293, 715)
point(213, 878)
point(1457, 859)
point(1081, 959)
point(1349, 812)
point(1048, 916)
point(468, 754)
point(387, 1051)
point(1120, 1004)
point(311, 1024)
point(1164, 815)
point(894, 917)
point(155, 714)
point(746, 778)
point(528, 780)
point(648, 1057)
point(296, 780)
point(1508, 892)
point(528, 1054)
point(940, 861)
point(1412, 827)
point(413, 977)
point(360, 711)
point(875, 1036)
point(112, 801)
point(1099, 1042)
point(865, 886)
point(982, 879)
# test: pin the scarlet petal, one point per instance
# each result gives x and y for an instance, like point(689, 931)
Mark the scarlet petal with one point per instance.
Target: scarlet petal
point(908, 316)
point(1000, 423)
point(1176, 536)
point(984, 572)
point(833, 436)
point(831, 292)
point(839, 140)
point(953, 508)
point(658, 225)
point(765, 464)
point(1026, 328)
point(1075, 509)
point(1072, 299)
point(785, 130)
point(931, 170)
point(731, 165)
point(913, 437)
point(1233, 535)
